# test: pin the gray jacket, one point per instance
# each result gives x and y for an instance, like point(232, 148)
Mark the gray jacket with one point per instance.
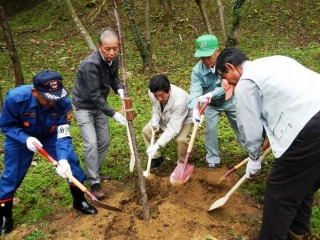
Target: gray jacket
point(93, 81)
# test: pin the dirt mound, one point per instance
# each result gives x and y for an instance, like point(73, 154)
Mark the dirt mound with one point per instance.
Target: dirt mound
point(177, 212)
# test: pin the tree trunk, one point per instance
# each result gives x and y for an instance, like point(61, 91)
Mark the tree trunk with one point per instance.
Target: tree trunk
point(204, 16)
point(141, 181)
point(234, 36)
point(79, 25)
point(145, 54)
point(222, 22)
point(11, 48)
point(167, 11)
point(148, 31)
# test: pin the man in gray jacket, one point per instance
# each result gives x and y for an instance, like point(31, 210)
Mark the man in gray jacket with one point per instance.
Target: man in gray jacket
point(170, 113)
point(95, 76)
point(281, 96)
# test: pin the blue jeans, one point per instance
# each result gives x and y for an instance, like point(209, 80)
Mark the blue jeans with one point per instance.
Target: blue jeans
point(94, 127)
point(212, 116)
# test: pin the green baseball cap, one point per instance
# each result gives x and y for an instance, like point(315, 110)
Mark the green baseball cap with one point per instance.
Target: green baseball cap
point(206, 45)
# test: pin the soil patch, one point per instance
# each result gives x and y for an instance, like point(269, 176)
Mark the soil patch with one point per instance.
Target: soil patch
point(177, 212)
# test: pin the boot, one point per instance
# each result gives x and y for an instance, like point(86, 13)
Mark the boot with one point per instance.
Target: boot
point(80, 203)
point(292, 236)
point(6, 221)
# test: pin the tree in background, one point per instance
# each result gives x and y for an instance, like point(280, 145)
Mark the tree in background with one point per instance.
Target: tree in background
point(234, 36)
point(204, 16)
point(11, 48)
point(146, 55)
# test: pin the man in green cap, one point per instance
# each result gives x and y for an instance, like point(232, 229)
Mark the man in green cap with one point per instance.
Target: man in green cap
point(206, 83)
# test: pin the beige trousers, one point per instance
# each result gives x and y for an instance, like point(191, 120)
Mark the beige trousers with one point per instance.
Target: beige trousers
point(181, 140)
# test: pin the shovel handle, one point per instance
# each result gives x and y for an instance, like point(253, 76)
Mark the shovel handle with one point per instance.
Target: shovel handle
point(243, 162)
point(68, 175)
point(201, 110)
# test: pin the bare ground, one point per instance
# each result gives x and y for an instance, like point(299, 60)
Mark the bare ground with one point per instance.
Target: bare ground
point(177, 212)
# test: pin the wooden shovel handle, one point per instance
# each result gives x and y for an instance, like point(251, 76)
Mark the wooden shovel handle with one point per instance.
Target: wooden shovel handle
point(68, 175)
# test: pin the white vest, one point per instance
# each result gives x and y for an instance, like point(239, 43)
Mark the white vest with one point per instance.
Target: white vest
point(290, 97)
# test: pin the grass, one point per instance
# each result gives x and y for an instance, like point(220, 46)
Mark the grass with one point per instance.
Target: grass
point(47, 40)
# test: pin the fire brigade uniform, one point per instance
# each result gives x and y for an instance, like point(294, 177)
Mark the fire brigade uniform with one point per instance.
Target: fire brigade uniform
point(23, 118)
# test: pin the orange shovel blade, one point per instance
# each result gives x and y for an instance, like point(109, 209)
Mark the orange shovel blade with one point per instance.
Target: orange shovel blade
point(181, 174)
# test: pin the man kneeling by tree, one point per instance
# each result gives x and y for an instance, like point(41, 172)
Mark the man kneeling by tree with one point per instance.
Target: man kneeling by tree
point(39, 114)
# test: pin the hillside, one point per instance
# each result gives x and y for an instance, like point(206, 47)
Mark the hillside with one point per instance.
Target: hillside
point(45, 38)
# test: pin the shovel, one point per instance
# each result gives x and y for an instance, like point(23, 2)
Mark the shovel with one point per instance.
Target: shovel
point(75, 181)
point(183, 171)
point(220, 202)
point(147, 172)
point(227, 174)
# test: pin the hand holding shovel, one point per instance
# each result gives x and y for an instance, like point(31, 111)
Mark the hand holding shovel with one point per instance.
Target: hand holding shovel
point(183, 171)
point(153, 133)
point(220, 202)
point(75, 181)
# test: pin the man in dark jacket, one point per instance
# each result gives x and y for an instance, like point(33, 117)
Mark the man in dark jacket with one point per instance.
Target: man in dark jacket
point(96, 74)
point(37, 114)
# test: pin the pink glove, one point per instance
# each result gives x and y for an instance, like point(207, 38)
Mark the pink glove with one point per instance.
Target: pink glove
point(227, 88)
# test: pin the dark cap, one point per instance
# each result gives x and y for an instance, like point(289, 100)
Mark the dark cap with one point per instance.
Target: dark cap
point(49, 85)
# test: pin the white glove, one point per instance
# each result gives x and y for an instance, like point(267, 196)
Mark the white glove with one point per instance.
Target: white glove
point(30, 144)
point(253, 166)
point(151, 151)
point(154, 123)
point(203, 98)
point(121, 93)
point(120, 119)
point(196, 117)
point(63, 167)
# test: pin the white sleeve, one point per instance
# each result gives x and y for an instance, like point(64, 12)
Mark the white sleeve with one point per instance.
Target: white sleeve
point(249, 108)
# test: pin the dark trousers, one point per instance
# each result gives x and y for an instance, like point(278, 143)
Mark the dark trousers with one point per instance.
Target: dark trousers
point(291, 185)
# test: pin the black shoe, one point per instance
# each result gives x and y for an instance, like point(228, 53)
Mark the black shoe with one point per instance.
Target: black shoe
point(80, 203)
point(6, 221)
point(156, 162)
point(261, 199)
point(6, 225)
point(85, 207)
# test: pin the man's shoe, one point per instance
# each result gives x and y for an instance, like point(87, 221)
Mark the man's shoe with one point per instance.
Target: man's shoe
point(80, 203)
point(213, 165)
point(6, 221)
point(85, 207)
point(156, 162)
point(261, 199)
point(97, 191)
point(292, 236)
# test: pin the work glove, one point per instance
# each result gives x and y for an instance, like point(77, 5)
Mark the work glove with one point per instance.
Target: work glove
point(203, 98)
point(228, 89)
point(253, 166)
point(120, 119)
point(63, 167)
point(196, 117)
point(154, 124)
point(30, 145)
point(151, 151)
point(121, 93)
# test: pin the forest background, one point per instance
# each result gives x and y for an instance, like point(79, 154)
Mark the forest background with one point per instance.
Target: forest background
point(46, 38)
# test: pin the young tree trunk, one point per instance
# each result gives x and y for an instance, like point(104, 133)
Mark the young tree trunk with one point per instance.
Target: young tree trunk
point(141, 181)
point(11, 48)
point(79, 25)
point(145, 54)
point(234, 36)
point(222, 22)
point(204, 16)
point(167, 11)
